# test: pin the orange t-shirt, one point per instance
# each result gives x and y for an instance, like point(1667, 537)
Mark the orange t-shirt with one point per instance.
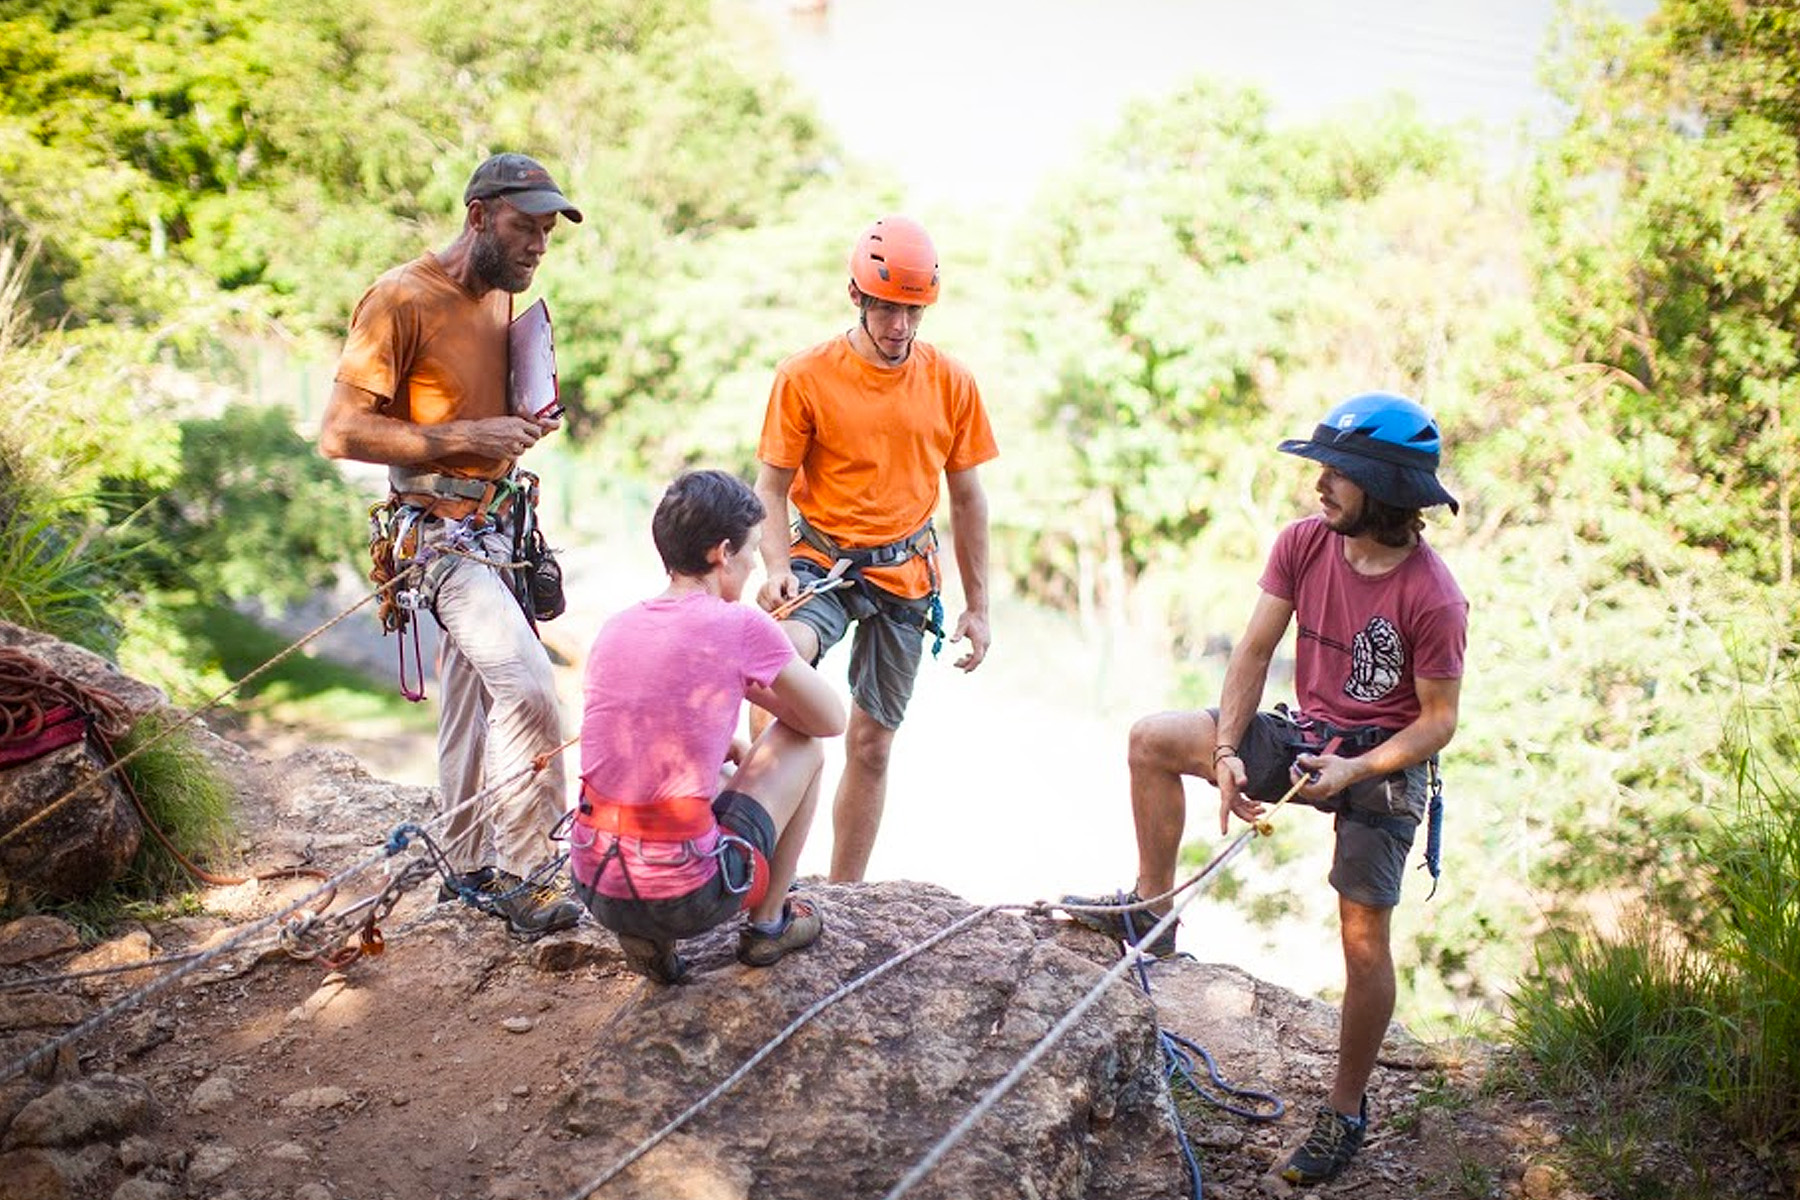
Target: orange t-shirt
point(433, 353)
point(868, 446)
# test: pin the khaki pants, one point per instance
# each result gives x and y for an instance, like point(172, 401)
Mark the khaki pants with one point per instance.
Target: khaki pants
point(499, 712)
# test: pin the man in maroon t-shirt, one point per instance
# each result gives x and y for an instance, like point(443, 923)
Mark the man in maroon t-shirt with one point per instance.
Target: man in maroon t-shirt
point(1378, 666)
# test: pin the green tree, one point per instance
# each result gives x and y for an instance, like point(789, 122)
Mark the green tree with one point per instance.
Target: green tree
point(1670, 221)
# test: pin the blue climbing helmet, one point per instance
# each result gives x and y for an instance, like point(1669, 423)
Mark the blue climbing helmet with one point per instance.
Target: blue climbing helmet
point(1385, 444)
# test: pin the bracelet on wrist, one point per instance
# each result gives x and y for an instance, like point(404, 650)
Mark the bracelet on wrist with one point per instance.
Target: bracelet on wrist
point(1223, 752)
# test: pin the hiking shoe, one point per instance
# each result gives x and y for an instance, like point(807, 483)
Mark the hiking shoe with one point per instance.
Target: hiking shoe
point(1126, 927)
point(657, 960)
point(474, 881)
point(530, 909)
point(800, 928)
point(1330, 1146)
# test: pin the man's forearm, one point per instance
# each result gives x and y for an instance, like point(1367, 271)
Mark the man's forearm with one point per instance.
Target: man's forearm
point(775, 547)
point(969, 523)
point(1241, 694)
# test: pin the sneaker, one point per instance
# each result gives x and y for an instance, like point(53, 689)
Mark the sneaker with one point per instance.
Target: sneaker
point(530, 909)
point(657, 960)
point(473, 881)
point(1330, 1146)
point(800, 928)
point(1126, 927)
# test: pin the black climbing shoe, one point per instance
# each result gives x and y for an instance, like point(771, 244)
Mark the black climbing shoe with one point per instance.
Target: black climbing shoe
point(656, 960)
point(1330, 1146)
point(474, 881)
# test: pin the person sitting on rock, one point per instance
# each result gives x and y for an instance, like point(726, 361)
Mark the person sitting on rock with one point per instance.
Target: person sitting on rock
point(655, 854)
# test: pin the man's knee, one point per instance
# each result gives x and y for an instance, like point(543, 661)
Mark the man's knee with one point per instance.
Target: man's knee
point(1368, 950)
point(804, 638)
point(868, 743)
point(1163, 741)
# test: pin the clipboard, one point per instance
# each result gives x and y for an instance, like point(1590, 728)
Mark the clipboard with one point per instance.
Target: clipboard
point(532, 390)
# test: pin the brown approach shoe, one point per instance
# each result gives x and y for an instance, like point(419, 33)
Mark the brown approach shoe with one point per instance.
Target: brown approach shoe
point(530, 910)
point(657, 960)
point(801, 929)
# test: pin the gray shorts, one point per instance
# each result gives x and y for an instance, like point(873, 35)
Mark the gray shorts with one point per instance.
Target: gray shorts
point(1376, 819)
point(889, 641)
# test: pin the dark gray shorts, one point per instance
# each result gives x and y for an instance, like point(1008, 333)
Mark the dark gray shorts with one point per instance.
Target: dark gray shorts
point(884, 654)
point(1376, 819)
point(714, 902)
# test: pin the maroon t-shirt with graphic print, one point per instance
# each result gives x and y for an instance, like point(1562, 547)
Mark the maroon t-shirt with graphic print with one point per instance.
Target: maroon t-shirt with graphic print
point(1364, 639)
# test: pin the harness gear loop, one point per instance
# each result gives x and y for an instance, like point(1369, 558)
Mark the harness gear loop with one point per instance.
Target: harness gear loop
point(920, 543)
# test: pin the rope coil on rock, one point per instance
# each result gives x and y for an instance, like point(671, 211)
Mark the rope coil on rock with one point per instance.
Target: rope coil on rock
point(194, 714)
point(396, 843)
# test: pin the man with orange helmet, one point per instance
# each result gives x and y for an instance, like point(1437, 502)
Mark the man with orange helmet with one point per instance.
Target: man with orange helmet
point(858, 432)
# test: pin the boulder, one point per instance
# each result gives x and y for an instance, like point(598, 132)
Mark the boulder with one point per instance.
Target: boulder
point(865, 1089)
point(67, 834)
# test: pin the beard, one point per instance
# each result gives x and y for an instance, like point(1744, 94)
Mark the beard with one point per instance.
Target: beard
point(490, 264)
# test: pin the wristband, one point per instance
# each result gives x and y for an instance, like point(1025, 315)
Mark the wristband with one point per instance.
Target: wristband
point(1223, 752)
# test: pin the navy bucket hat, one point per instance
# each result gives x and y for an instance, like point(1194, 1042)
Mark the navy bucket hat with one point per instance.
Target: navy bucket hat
point(1385, 444)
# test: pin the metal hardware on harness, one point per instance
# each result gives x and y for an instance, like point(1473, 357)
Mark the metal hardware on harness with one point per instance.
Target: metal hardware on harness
point(818, 587)
point(921, 543)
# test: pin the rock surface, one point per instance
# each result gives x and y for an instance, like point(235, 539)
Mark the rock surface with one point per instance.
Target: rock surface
point(66, 836)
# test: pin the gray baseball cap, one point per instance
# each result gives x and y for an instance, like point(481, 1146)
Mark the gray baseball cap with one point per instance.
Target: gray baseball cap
point(522, 182)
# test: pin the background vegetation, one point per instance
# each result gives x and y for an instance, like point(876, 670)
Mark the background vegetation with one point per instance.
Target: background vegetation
point(1608, 336)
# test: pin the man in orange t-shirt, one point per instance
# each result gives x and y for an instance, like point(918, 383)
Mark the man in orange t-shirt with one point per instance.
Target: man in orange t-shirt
point(858, 432)
point(422, 387)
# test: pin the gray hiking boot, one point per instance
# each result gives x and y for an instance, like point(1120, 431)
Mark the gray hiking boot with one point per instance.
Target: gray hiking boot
point(1330, 1146)
point(530, 909)
point(1122, 926)
point(802, 928)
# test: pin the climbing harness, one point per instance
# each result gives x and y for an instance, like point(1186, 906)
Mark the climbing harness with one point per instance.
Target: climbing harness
point(921, 543)
point(831, 581)
point(1361, 739)
point(406, 537)
point(677, 821)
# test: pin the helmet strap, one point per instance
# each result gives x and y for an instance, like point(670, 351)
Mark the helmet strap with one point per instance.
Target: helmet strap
point(862, 310)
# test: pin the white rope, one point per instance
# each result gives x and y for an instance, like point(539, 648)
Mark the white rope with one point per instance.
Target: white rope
point(793, 1027)
point(1011, 1080)
point(132, 999)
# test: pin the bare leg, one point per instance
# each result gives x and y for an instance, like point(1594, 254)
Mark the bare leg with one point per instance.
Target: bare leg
point(781, 773)
point(1163, 748)
point(1368, 1000)
point(861, 795)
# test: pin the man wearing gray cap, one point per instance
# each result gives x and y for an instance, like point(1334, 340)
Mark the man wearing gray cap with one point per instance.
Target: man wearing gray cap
point(1378, 666)
point(423, 388)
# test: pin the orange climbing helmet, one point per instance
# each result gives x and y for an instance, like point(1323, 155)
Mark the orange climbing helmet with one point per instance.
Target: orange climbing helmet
point(894, 260)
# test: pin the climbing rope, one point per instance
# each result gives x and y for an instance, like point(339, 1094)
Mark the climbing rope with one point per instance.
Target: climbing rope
point(306, 936)
point(1263, 827)
point(193, 714)
point(1038, 908)
point(793, 1027)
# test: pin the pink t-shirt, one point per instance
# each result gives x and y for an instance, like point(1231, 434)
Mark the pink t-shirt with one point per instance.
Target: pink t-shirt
point(1364, 639)
point(666, 681)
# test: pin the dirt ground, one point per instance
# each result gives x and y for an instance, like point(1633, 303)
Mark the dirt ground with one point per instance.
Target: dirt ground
point(413, 1074)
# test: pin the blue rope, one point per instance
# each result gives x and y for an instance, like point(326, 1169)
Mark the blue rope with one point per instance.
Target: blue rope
point(1434, 826)
point(1178, 1067)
